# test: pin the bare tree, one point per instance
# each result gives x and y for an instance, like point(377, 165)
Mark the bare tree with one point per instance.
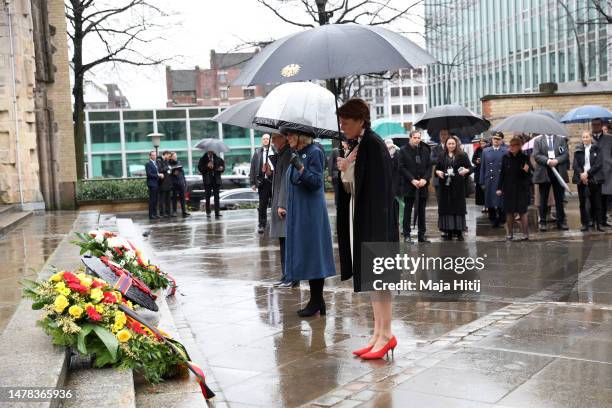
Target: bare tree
point(604, 11)
point(573, 26)
point(121, 29)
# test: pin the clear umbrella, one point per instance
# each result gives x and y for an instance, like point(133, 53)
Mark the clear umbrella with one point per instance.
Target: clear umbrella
point(242, 115)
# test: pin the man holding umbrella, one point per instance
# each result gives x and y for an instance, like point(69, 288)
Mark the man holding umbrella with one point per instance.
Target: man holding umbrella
point(211, 167)
point(490, 169)
point(551, 153)
point(415, 170)
point(261, 178)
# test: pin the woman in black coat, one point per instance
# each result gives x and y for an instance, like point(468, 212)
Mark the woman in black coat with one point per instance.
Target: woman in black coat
point(452, 168)
point(366, 214)
point(589, 179)
point(476, 158)
point(513, 186)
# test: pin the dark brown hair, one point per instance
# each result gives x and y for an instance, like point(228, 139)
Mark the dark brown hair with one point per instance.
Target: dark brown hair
point(356, 109)
point(516, 140)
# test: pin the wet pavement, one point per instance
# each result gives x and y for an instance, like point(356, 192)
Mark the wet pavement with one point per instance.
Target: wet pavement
point(23, 252)
point(515, 347)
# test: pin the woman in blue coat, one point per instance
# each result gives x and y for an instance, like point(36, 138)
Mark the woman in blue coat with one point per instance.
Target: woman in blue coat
point(308, 251)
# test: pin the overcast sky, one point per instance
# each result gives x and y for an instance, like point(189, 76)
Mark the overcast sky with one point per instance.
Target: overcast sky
point(198, 27)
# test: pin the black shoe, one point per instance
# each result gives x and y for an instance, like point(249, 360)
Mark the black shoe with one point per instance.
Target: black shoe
point(278, 283)
point(312, 309)
point(423, 239)
point(153, 217)
point(447, 237)
point(295, 284)
point(260, 230)
point(285, 285)
point(167, 216)
point(407, 239)
point(207, 215)
point(606, 224)
point(584, 228)
point(600, 229)
point(460, 237)
point(543, 227)
point(218, 215)
point(186, 214)
point(562, 227)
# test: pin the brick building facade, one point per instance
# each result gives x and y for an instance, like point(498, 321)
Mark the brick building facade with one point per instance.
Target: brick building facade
point(211, 87)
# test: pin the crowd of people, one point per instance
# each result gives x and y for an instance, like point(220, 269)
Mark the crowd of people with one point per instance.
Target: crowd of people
point(166, 184)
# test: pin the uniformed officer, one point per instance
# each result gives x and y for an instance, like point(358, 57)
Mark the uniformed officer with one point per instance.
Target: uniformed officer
point(490, 169)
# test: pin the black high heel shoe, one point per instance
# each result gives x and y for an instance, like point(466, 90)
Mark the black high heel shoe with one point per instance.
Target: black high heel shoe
point(312, 309)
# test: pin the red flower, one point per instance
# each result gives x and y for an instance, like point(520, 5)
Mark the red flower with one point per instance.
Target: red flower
point(93, 314)
point(109, 234)
point(109, 298)
point(97, 284)
point(70, 277)
point(137, 328)
point(118, 251)
point(77, 287)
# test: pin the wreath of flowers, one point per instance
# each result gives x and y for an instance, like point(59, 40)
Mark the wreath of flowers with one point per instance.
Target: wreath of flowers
point(82, 312)
point(105, 243)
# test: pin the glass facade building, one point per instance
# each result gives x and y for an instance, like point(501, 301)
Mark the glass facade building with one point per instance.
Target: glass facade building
point(511, 46)
point(117, 144)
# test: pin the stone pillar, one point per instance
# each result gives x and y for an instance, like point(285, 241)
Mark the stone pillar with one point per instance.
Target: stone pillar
point(19, 171)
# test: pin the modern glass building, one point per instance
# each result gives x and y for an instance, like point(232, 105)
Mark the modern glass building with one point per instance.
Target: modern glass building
point(511, 46)
point(117, 144)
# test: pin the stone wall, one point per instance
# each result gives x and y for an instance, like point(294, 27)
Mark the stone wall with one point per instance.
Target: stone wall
point(26, 159)
point(498, 107)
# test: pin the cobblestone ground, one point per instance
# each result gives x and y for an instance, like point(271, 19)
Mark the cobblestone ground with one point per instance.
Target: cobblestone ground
point(518, 347)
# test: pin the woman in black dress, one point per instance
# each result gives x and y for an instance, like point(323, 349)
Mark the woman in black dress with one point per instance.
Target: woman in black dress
point(476, 158)
point(513, 186)
point(452, 169)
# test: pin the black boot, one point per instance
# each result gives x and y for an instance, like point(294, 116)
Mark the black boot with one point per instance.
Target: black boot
point(447, 236)
point(460, 236)
point(316, 304)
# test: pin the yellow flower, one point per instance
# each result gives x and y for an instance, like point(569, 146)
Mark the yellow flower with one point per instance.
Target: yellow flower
point(124, 335)
point(61, 288)
point(75, 311)
point(85, 279)
point(99, 308)
point(60, 303)
point(57, 277)
point(130, 305)
point(120, 319)
point(96, 294)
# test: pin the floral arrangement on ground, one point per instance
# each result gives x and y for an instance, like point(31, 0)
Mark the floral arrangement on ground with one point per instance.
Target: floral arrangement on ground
point(83, 312)
point(105, 243)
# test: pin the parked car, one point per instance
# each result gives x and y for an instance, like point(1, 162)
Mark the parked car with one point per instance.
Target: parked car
point(235, 199)
point(195, 187)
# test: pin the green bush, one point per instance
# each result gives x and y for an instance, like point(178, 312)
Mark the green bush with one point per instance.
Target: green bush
point(112, 189)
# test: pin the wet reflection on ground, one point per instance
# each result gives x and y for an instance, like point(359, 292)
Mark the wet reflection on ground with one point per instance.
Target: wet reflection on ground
point(492, 351)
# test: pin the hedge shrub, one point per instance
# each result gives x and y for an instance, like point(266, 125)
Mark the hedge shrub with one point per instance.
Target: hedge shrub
point(112, 189)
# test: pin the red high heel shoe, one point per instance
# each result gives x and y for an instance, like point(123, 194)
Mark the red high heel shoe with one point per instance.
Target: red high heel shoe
point(374, 355)
point(363, 350)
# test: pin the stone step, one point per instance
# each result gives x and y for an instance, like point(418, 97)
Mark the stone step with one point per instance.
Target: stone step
point(8, 208)
point(104, 387)
point(9, 219)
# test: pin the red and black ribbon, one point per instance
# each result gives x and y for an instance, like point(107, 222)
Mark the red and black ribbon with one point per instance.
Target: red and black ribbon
point(120, 272)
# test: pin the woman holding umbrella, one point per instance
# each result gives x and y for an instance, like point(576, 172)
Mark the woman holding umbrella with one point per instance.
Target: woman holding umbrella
point(308, 242)
point(366, 214)
point(452, 169)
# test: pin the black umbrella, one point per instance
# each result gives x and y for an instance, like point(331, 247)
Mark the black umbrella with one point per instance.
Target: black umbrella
point(530, 122)
point(332, 51)
point(137, 292)
point(454, 118)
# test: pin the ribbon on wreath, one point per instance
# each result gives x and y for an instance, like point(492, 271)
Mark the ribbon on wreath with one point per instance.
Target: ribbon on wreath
point(120, 272)
point(166, 338)
point(172, 290)
point(124, 283)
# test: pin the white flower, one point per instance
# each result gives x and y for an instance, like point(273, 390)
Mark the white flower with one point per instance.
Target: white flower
point(122, 263)
point(115, 242)
point(108, 254)
point(135, 263)
point(99, 238)
point(129, 255)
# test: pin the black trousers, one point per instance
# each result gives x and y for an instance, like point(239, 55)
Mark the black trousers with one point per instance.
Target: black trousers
point(153, 193)
point(496, 215)
point(178, 193)
point(265, 194)
point(590, 203)
point(336, 186)
point(165, 207)
point(212, 189)
point(559, 193)
point(281, 244)
point(604, 208)
point(408, 205)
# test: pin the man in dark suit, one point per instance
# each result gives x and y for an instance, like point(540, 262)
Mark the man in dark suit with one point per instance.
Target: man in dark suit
point(261, 178)
point(165, 185)
point(153, 177)
point(550, 151)
point(414, 170)
point(179, 185)
point(602, 138)
point(211, 167)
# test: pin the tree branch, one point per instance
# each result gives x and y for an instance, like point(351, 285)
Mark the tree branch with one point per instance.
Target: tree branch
point(286, 20)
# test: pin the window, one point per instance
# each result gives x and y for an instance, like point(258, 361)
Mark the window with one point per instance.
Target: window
point(406, 91)
point(235, 132)
point(105, 137)
point(206, 93)
point(137, 115)
point(175, 134)
point(249, 93)
point(408, 109)
point(201, 129)
point(368, 93)
point(417, 91)
point(223, 94)
point(222, 77)
point(379, 92)
point(106, 165)
point(136, 135)
point(171, 114)
point(106, 115)
point(202, 113)
point(419, 108)
point(394, 92)
point(136, 164)
point(395, 110)
point(380, 111)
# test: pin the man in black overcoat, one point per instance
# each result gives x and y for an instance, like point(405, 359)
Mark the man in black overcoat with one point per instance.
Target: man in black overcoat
point(165, 185)
point(153, 177)
point(211, 167)
point(261, 175)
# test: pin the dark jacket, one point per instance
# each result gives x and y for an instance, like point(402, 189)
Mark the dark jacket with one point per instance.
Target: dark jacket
point(332, 163)
point(211, 176)
point(256, 176)
point(477, 155)
point(178, 174)
point(540, 155)
point(414, 163)
point(374, 216)
point(595, 173)
point(514, 182)
point(436, 152)
point(279, 191)
point(452, 196)
point(163, 166)
point(152, 174)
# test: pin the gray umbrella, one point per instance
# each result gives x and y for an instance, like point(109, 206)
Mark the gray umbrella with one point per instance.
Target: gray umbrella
point(214, 145)
point(455, 118)
point(548, 113)
point(332, 51)
point(242, 115)
point(530, 122)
